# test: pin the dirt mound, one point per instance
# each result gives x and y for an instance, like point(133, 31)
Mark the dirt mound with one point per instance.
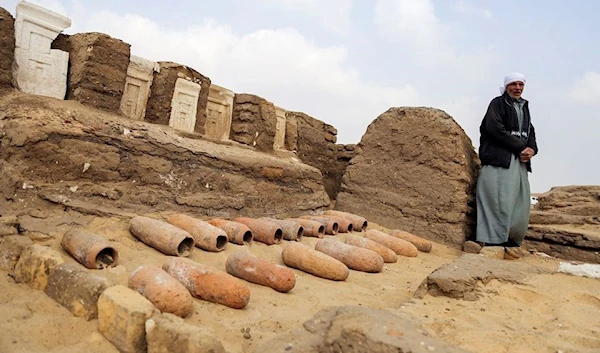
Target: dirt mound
point(416, 170)
point(101, 163)
point(7, 46)
point(579, 200)
point(354, 330)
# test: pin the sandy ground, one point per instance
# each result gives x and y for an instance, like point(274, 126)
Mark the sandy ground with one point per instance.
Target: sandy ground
point(550, 313)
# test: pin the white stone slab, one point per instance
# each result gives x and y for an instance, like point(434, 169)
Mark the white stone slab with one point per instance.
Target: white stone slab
point(184, 105)
point(279, 143)
point(140, 74)
point(39, 69)
point(218, 112)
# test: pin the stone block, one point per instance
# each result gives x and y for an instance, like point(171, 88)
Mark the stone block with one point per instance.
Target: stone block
point(160, 110)
point(261, 118)
point(167, 333)
point(184, 105)
point(279, 143)
point(76, 289)
point(37, 68)
point(7, 47)
point(11, 248)
point(122, 315)
point(35, 265)
point(97, 69)
point(140, 74)
point(218, 112)
point(330, 137)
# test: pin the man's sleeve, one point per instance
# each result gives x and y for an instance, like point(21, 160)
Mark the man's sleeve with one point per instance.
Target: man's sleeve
point(531, 142)
point(495, 128)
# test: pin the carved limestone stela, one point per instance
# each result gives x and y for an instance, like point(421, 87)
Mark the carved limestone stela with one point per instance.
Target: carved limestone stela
point(279, 143)
point(184, 105)
point(219, 111)
point(140, 74)
point(38, 69)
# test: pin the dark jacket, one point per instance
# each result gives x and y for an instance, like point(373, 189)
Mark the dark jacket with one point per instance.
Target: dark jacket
point(500, 135)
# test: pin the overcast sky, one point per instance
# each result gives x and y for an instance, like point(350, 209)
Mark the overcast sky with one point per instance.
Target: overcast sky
point(347, 61)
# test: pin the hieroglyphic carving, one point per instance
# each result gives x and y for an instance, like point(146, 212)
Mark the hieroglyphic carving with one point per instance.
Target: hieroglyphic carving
point(39, 69)
point(137, 87)
point(184, 105)
point(219, 110)
point(279, 142)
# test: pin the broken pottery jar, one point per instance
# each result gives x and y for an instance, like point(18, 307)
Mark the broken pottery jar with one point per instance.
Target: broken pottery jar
point(359, 224)
point(237, 233)
point(344, 224)
point(89, 249)
point(331, 226)
point(206, 236)
point(162, 236)
point(291, 230)
point(263, 230)
point(311, 228)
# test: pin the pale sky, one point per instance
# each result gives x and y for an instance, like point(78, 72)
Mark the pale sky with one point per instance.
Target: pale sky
point(347, 61)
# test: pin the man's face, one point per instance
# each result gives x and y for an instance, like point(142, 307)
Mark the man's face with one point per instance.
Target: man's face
point(515, 89)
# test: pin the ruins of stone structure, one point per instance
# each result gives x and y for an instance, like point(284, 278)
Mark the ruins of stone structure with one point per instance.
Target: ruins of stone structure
point(167, 88)
point(253, 122)
point(140, 74)
point(218, 112)
point(566, 223)
point(416, 170)
point(315, 143)
point(279, 143)
point(7, 47)
point(38, 69)
point(97, 69)
point(184, 105)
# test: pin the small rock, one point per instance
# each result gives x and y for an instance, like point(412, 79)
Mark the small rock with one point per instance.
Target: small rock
point(471, 247)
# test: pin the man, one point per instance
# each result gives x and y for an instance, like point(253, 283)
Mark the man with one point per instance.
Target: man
point(507, 145)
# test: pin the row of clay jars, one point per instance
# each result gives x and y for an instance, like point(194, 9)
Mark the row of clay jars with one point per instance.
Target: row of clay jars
point(420, 243)
point(356, 258)
point(399, 246)
point(359, 223)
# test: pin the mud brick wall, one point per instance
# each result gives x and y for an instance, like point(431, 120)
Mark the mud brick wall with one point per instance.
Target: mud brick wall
point(158, 109)
point(97, 69)
point(316, 147)
point(291, 132)
point(7, 47)
point(253, 121)
point(342, 156)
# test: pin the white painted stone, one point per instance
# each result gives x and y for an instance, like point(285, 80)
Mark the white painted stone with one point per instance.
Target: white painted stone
point(184, 105)
point(279, 143)
point(39, 69)
point(140, 74)
point(218, 112)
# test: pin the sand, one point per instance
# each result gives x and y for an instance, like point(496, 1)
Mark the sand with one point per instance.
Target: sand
point(550, 313)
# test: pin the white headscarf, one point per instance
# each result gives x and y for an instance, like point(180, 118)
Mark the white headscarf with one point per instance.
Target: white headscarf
point(510, 78)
